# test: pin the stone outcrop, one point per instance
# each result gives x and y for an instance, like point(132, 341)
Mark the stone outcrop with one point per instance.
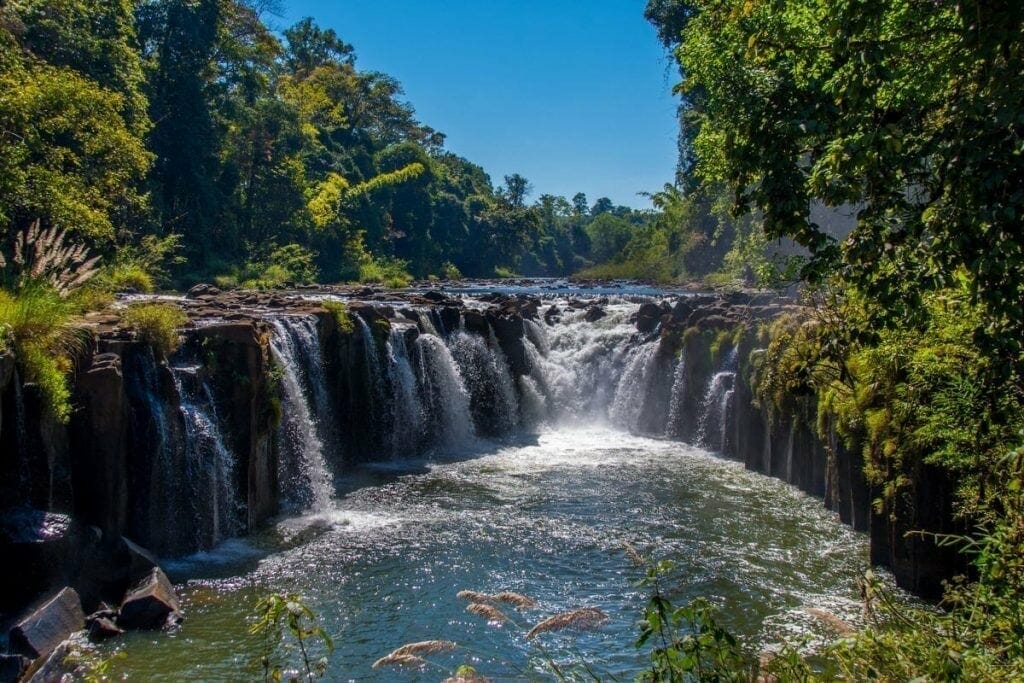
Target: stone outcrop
point(150, 604)
point(38, 634)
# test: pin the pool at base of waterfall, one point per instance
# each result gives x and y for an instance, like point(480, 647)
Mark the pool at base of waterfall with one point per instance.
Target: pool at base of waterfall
point(545, 514)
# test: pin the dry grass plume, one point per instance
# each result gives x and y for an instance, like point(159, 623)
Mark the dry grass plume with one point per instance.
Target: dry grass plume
point(399, 660)
point(516, 599)
point(425, 647)
point(489, 612)
point(587, 617)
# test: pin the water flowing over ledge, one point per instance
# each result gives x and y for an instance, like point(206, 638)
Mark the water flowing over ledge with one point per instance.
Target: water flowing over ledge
point(274, 401)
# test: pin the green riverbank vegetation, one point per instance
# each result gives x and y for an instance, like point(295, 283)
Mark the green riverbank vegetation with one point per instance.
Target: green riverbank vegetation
point(905, 116)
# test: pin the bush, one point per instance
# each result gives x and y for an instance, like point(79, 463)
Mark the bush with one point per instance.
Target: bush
point(504, 273)
point(142, 267)
point(291, 264)
point(391, 272)
point(34, 325)
point(342, 318)
point(450, 271)
point(156, 325)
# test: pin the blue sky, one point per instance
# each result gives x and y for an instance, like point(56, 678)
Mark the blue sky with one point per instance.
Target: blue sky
point(573, 94)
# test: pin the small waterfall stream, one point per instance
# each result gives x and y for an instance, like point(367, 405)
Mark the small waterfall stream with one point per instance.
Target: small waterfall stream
point(714, 417)
point(209, 464)
point(307, 482)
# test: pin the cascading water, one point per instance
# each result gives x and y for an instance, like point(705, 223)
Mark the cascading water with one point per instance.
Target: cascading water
point(210, 465)
point(485, 374)
point(306, 480)
point(406, 413)
point(631, 393)
point(714, 418)
point(545, 515)
point(675, 409)
point(445, 399)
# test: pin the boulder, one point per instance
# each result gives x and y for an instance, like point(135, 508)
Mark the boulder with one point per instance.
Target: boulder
point(202, 290)
point(594, 313)
point(150, 604)
point(48, 626)
point(103, 627)
point(475, 322)
point(12, 667)
point(552, 315)
point(648, 317)
point(450, 317)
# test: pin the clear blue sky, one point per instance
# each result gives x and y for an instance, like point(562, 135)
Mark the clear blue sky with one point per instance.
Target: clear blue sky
point(573, 94)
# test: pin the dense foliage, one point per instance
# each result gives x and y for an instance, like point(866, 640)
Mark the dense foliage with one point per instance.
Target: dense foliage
point(265, 158)
point(906, 115)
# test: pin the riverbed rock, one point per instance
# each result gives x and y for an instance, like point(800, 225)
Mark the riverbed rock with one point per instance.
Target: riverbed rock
point(202, 289)
point(47, 626)
point(151, 604)
point(102, 626)
point(594, 313)
point(648, 317)
point(475, 322)
point(12, 667)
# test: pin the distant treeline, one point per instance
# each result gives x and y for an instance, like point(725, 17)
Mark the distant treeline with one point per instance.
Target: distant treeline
point(269, 155)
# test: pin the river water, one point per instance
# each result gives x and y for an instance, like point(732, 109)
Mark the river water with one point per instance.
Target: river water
point(546, 516)
point(545, 510)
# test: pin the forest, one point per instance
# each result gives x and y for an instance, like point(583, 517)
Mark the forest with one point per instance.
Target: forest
point(868, 150)
point(192, 134)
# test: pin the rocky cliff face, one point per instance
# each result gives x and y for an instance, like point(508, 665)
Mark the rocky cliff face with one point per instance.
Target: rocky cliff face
point(270, 395)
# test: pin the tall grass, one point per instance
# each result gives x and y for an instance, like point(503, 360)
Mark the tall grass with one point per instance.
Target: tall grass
point(34, 326)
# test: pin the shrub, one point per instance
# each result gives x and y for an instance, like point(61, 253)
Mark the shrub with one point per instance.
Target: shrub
point(34, 325)
point(450, 271)
point(142, 267)
point(391, 272)
point(504, 273)
point(342, 318)
point(156, 325)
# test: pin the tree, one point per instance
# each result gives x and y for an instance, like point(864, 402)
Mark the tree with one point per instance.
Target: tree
point(608, 235)
point(579, 203)
point(909, 111)
point(517, 189)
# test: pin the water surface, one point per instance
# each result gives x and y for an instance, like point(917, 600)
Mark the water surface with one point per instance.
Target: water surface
point(546, 515)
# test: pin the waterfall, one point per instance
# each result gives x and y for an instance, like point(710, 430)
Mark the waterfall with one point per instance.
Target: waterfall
point(714, 419)
point(676, 402)
point(209, 463)
point(446, 401)
point(305, 479)
point(486, 377)
point(630, 394)
point(406, 410)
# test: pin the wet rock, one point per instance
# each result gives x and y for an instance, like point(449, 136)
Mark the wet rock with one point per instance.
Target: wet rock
point(509, 331)
point(12, 667)
point(552, 315)
point(648, 317)
point(450, 317)
point(102, 626)
point(202, 290)
point(436, 296)
point(46, 627)
point(151, 604)
point(475, 322)
point(594, 313)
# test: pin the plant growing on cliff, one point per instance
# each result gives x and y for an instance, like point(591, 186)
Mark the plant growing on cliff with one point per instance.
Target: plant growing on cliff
point(342, 318)
point(157, 325)
point(278, 616)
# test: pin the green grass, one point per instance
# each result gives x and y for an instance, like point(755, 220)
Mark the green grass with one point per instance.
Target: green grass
point(342, 318)
point(34, 326)
point(389, 272)
point(156, 325)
